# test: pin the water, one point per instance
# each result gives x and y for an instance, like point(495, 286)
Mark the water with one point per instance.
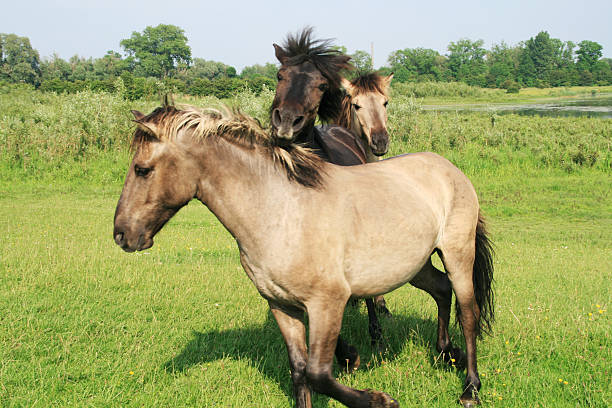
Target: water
point(597, 107)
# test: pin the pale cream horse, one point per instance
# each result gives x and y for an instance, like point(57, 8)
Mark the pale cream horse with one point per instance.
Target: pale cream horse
point(380, 223)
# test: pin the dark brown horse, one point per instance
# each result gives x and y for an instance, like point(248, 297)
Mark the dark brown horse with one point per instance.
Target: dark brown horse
point(401, 211)
point(309, 85)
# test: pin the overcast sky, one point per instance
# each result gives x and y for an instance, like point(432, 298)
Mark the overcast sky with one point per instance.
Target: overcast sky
point(241, 33)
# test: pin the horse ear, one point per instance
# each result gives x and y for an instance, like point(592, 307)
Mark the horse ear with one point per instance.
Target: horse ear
point(281, 56)
point(137, 114)
point(346, 84)
point(149, 128)
point(388, 79)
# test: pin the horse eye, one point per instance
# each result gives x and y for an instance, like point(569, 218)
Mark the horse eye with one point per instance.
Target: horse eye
point(357, 107)
point(142, 171)
point(385, 104)
point(323, 87)
point(279, 76)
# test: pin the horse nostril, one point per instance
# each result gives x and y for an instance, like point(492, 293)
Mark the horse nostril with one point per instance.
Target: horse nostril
point(119, 239)
point(298, 121)
point(276, 117)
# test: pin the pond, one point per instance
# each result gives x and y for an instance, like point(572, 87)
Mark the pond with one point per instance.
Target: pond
point(596, 107)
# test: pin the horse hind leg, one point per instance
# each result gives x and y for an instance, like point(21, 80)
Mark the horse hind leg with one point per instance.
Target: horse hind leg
point(459, 265)
point(437, 284)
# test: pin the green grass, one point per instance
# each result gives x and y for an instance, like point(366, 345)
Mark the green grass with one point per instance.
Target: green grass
point(79, 316)
point(84, 324)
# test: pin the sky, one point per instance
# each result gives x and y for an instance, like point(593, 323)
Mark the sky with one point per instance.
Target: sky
point(241, 33)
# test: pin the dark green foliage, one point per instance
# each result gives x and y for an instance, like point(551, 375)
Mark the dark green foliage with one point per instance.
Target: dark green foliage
point(19, 62)
point(159, 57)
point(418, 64)
point(158, 50)
point(466, 61)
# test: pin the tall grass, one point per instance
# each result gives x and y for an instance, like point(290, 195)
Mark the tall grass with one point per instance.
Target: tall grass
point(85, 136)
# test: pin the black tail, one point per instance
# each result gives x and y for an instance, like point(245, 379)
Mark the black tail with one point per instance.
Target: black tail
point(483, 279)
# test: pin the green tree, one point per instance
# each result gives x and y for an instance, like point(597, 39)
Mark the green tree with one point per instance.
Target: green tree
point(158, 50)
point(502, 61)
point(362, 61)
point(111, 65)
point(589, 52)
point(417, 64)
point(55, 68)
point(466, 61)
point(19, 62)
point(269, 71)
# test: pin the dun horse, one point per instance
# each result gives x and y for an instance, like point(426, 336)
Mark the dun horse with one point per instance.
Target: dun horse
point(381, 222)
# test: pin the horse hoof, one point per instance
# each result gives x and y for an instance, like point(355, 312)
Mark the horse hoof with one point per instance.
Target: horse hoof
point(471, 403)
point(352, 361)
point(469, 399)
point(380, 399)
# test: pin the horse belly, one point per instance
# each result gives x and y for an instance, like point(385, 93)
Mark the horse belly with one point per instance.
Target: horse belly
point(386, 252)
point(376, 276)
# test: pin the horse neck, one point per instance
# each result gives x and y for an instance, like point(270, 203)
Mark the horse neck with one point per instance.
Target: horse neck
point(237, 182)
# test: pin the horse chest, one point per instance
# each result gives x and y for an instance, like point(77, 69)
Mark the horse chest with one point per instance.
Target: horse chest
point(270, 286)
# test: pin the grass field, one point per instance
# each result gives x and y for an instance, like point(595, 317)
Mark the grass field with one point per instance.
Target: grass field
point(84, 324)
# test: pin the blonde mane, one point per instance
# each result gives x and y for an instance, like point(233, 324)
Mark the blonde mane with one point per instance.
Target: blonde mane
point(300, 164)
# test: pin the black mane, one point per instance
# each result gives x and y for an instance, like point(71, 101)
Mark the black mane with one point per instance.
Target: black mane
point(330, 61)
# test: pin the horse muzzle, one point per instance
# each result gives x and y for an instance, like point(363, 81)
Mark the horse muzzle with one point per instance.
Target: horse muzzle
point(379, 143)
point(131, 245)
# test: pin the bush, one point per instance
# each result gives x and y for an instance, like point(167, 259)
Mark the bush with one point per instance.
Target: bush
point(511, 86)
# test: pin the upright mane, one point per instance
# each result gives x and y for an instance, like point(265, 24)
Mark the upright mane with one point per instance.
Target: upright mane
point(330, 61)
point(364, 83)
point(300, 164)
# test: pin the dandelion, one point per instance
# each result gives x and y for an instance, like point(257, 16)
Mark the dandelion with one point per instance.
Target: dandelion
point(507, 342)
point(590, 314)
point(565, 382)
point(499, 398)
point(452, 360)
point(560, 380)
point(601, 311)
point(519, 353)
point(498, 370)
point(131, 373)
point(538, 337)
point(598, 306)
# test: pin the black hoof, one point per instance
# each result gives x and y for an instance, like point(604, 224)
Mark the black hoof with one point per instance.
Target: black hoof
point(350, 361)
point(380, 399)
point(469, 398)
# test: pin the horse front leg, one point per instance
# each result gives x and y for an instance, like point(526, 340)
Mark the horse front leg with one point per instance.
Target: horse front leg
point(325, 319)
point(291, 324)
point(437, 284)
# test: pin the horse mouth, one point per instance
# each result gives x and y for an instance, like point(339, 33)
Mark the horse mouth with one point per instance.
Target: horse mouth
point(379, 151)
point(142, 243)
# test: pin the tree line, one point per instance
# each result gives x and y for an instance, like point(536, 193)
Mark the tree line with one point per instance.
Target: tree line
point(160, 57)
